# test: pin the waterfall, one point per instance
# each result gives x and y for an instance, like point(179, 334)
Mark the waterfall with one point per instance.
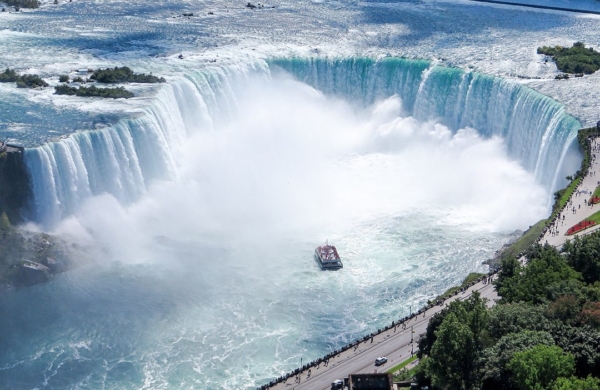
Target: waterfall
point(123, 159)
point(537, 130)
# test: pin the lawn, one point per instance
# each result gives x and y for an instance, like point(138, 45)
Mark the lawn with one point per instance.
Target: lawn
point(526, 240)
point(400, 366)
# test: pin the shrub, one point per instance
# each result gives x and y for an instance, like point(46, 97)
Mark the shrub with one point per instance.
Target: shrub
point(8, 76)
point(93, 91)
point(31, 81)
point(63, 78)
point(123, 75)
point(24, 81)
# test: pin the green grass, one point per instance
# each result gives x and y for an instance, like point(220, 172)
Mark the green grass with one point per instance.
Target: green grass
point(402, 365)
point(567, 192)
point(526, 240)
point(473, 276)
point(596, 192)
point(405, 375)
point(594, 217)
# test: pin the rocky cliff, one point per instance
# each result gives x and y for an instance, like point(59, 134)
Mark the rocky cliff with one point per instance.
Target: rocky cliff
point(15, 187)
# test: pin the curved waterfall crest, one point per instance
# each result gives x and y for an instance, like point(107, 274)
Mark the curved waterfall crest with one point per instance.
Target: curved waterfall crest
point(123, 159)
point(537, 130)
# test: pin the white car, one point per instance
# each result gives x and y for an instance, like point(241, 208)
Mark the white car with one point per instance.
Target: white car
point(337, 384)
point(380, 360)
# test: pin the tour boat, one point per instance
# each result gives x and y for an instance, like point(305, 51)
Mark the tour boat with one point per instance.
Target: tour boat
point(328, 257)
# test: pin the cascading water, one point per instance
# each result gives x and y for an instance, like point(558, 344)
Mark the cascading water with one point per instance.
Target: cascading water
point(536, 129)
point(121, 159)
point(207, 206)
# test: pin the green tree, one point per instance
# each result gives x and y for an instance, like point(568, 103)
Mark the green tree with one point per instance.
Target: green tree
point(536, 283)
point(574, 383)
point(516, 317)
point(582, 342)
point(493, 369)
point(451, 362)
point(510, 270)
point(458, 340)
point(428, 338)
point(538, 367)
point(583, 254)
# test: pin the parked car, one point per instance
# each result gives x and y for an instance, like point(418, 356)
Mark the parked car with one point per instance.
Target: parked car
point(380, 360)
point(337, 384)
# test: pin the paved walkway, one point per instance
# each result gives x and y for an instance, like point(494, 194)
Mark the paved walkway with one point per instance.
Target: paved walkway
point(396, 344)
point(577, 208)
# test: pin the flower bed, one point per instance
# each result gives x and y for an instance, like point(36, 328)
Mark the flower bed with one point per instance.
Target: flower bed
point(580, 226)
point(595, 200)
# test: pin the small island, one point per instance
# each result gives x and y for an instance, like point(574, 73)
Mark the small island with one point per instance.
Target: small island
point(93, 91)
point(116, 75)
point(124, 75)
point(577, 60)
point(23, 81)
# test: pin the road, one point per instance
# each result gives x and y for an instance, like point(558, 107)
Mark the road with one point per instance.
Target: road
point(394, 343)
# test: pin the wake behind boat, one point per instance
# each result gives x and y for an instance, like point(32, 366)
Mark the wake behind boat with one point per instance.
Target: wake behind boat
point(328, 257)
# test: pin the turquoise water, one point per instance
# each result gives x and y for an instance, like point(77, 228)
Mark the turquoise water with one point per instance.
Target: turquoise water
point(201, 213)
point(224, 314)
point(31, 124)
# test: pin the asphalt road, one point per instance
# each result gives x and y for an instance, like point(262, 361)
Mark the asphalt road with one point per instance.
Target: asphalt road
point(395, 344)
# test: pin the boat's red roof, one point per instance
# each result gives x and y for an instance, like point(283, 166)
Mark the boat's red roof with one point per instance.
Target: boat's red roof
point(328, 253)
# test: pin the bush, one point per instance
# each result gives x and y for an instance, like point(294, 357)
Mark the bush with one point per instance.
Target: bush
point(25, 81)
point(93, 91)
point(31, 81)
point(63, 78)
point(123, 75)
point(8, 76)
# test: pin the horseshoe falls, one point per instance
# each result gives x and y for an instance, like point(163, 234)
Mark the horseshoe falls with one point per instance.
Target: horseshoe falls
point(201, 210)
point(122, 159)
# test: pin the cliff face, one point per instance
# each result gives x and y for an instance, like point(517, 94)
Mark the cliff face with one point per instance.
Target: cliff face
point(15, 186)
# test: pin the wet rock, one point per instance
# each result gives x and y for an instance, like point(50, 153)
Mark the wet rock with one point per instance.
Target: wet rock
point(29, 273)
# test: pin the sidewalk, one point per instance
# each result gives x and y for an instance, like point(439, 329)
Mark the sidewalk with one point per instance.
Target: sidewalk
point(556, 233)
